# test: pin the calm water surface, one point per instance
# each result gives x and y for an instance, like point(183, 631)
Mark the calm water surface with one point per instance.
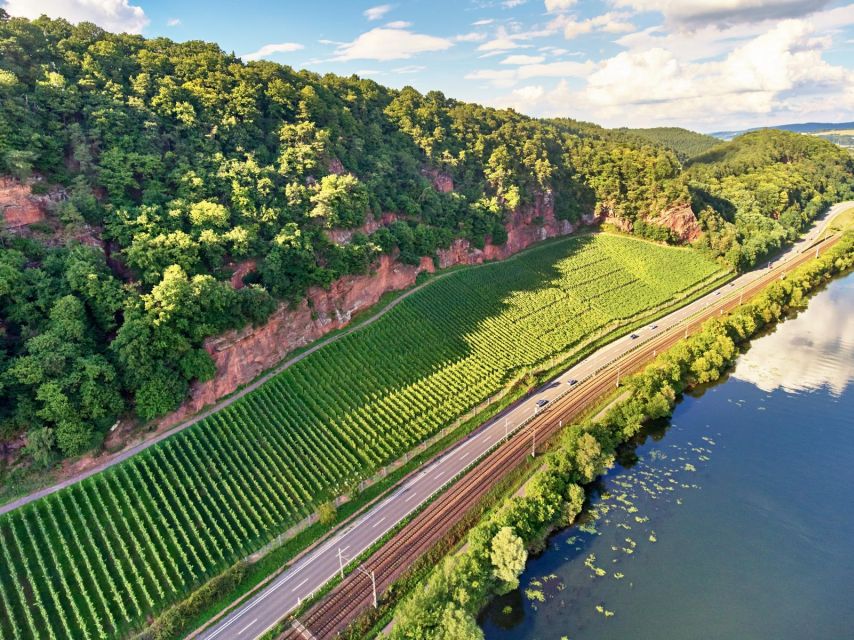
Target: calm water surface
point(734, 520)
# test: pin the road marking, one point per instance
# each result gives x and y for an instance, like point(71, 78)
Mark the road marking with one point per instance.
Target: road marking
point(378, 522)
point(247, 626)
point(294, 589)
point(438, 475)
point(411, 495)
point(465, 455)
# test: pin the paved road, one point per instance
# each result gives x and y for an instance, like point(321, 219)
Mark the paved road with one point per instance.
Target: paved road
point(285, 593)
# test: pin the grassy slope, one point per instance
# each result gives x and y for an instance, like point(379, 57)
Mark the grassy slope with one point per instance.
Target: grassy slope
point(235, 480)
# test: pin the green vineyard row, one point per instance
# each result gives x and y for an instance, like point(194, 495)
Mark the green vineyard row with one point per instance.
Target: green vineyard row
point(95, 559)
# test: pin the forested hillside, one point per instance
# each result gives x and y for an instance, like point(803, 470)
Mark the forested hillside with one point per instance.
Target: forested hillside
point(173, 163)
point(686, 144)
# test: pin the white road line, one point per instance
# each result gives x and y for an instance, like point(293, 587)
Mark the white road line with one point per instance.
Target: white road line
point(378, 522)
point(247, 626)
point(464, 456)
point(438, 475)
point(411, 495)
point(294, 589)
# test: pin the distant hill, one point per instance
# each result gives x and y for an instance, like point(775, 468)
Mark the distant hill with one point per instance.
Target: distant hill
point(684, 142)
point(798, 127)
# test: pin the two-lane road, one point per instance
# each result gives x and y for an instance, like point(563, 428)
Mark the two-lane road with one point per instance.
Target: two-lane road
point(286, 592)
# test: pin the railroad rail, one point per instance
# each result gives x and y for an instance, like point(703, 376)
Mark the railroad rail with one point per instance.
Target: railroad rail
point(353, 594)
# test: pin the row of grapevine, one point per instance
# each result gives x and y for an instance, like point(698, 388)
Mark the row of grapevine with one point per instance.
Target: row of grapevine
point(94, 560)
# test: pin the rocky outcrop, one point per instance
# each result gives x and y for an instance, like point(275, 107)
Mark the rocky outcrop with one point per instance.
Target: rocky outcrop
point(343, 236)
point(241, 355)
point(241, 270)
point(681, 220)
point(18, 204)
point(442, 182)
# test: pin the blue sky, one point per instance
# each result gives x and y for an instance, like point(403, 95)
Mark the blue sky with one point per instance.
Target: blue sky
point(703, 64)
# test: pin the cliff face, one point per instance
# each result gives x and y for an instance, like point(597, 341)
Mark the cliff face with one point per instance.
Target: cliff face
point(18, 204)
point(681, 220)
point(241, 355)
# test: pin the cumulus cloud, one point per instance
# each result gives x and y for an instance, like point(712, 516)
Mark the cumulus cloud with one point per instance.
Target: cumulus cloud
point(695, 13)
point(482, 23)
point(173, 22)
point(375, 13)
point(113, 15)
point(399, 24)
point(270, 49)
point(389, 44)
point(777, 71)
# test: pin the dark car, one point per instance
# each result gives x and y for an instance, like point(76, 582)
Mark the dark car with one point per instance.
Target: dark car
point(572, 381)
point(542, 403)
point(634, 336)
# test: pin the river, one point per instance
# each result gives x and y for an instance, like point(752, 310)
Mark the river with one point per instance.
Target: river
point(734, 519)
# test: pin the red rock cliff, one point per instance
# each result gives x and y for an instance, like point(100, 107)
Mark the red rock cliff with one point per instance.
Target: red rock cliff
point(18, 204)
point(241, 355)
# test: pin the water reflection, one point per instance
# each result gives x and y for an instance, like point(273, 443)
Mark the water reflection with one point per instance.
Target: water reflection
point(733, 520)
point(810, 354)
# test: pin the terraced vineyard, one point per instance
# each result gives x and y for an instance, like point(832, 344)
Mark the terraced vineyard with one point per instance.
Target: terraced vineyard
point(93, 560)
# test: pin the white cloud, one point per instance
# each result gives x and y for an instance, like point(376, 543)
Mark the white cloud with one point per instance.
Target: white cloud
point(505, 40)
point(113, 15)
point(173, 22)
point(522, 59)
point(556, 6)
point(389, 44)
point(563, 69)
point(481, 23)
point(795, 358)
point(695, 13)
point(399, 24)
point(611, 22)
point(510, 4)
point(780, 71)
point(375, 13)
point(410, 68)
point(473, 36)
point(497, 77)
point(505, 78)
point(270, 49)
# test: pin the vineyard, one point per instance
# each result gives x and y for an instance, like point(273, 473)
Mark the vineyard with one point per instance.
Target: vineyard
point(93, 560)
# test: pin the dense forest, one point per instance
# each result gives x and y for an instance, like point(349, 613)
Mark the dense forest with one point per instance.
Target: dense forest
point(684, 143)
point(176, 161)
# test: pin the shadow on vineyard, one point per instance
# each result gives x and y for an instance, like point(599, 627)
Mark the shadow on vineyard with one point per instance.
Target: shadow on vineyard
point(99, 557)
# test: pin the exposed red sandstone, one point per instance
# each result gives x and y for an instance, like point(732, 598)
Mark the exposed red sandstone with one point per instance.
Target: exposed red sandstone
point(241, 270)
point(681, 220)
point(18, 204)
point(442, 182)
point(241, 355)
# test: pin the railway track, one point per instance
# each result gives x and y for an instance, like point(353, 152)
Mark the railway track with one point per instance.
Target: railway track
point(354, 594)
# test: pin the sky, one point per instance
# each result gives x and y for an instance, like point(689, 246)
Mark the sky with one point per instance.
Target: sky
point(707, 65)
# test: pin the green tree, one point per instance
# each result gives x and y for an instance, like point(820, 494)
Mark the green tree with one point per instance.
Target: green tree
point(508, 555)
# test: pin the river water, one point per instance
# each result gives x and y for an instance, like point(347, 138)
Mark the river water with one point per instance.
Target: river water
point(735, 519)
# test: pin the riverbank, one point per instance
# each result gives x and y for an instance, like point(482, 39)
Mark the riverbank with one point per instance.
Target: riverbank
point(462, 584)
